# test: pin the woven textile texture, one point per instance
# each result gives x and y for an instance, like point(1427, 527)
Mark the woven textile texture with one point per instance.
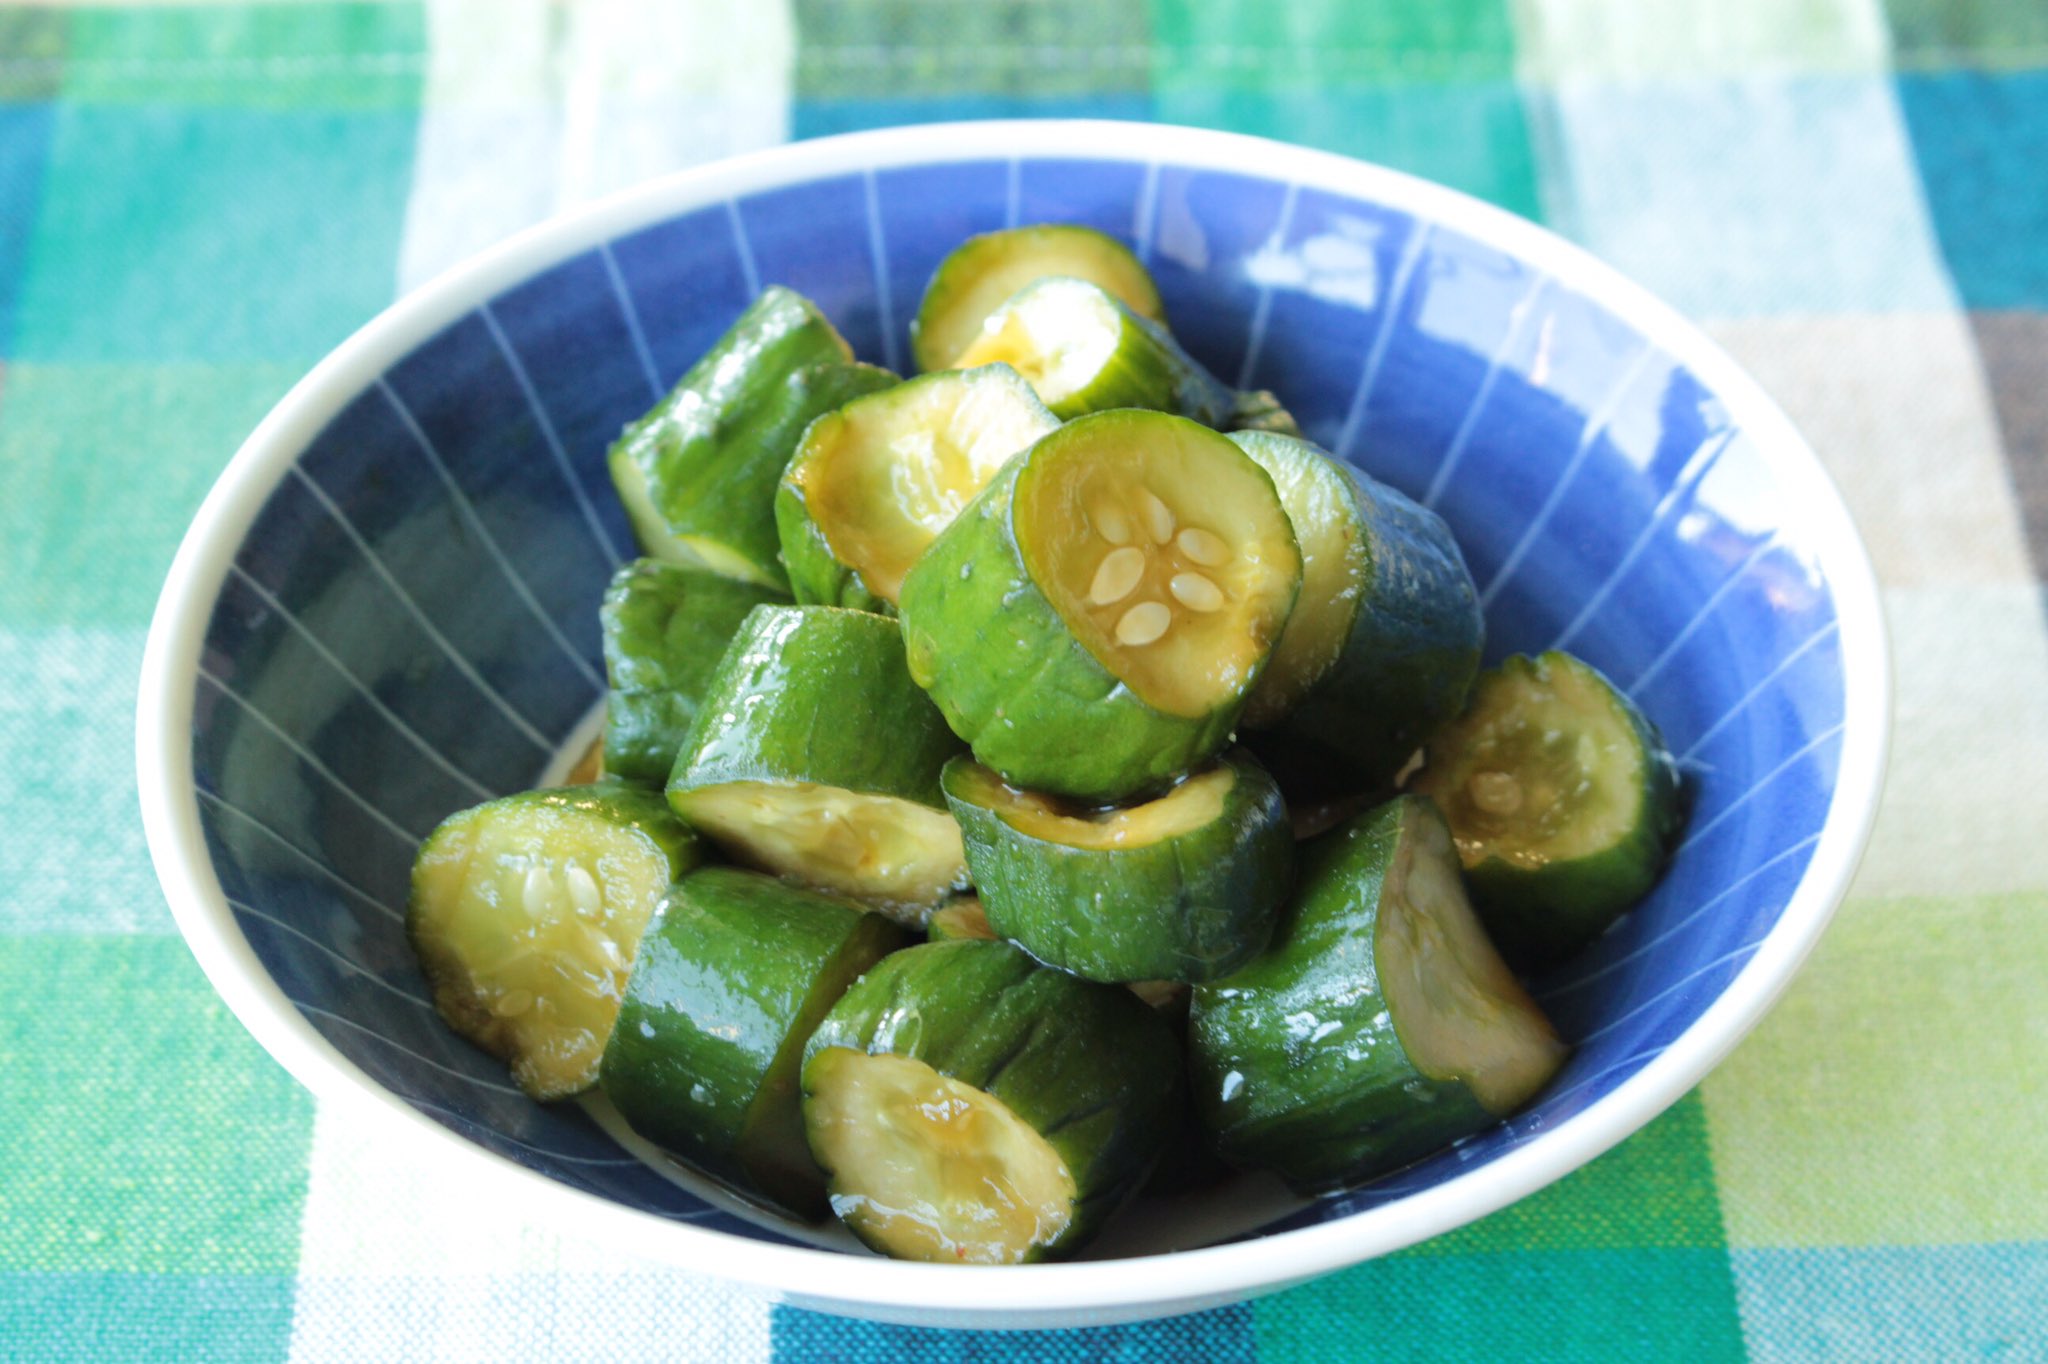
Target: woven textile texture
point(197, 202)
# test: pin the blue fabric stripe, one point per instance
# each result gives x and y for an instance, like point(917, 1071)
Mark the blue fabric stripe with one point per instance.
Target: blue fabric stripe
point(1895, 1302)
point(1222, 1336)
point(1981, 141)
point(24, 153)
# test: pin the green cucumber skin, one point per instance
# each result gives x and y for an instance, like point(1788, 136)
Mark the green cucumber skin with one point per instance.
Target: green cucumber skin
point(1407, 663)
point(1197, 908)
point(816, 694)
point(1151, 369)
point(1147, 369)
point(1089, 1067)
point(664, 627)
point(711, 452)
point(1015, 684)
point(1539, 917)
point(1295, 1062)
point(732, 973)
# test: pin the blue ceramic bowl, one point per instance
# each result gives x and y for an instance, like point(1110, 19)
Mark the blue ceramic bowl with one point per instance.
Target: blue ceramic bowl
point(387, 610)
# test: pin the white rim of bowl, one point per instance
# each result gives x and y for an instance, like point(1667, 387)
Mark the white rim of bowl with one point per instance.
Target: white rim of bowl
point(1217, 1273)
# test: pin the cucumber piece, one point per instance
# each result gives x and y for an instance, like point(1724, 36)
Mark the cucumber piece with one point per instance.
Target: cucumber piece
point(815, 757)
point(1095, 618)
point(1384, 641)
point(1083, 351)
point(982, 272)
point(965, 918)
point(664, 629)
point(698, 473)
point(526, 912)
point(734, 974)
point(1181, 887)
point(1380, 1026)
point(959, 918)
point(1563, 801)
point(872, 483)
point(1258, 409)
point(970, 1106)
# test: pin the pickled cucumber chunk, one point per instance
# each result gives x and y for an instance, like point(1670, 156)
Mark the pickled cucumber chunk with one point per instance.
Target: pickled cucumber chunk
point(664, 628)
point(526, 913)
point(1384, 640)
point(971, 1106)
point(982, 272)
point(1082, 351)
point(1094, 620)
point(874, 482)
point(733, 975)
point(1562, 799)
point(815, 757)
point(1182, 887)
point(697, 474)
point(1380, 1026)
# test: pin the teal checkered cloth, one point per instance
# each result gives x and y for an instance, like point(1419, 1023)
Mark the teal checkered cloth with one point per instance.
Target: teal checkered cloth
point(1850, 195)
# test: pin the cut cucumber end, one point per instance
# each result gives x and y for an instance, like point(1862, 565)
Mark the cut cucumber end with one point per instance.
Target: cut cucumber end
point(901, 856)
point(1166, 551)
point(983, 272)
point(526, 919)
point(1060, 334)
point(1189, 806)
point(1548, 764)
point(923, 1167)
point(1321, 501)
point(1455, 1005)
point(882, 476)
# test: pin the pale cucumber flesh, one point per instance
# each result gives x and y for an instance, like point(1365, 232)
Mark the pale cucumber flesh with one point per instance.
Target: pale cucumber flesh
point(1458, 1010)
point(924, 1167)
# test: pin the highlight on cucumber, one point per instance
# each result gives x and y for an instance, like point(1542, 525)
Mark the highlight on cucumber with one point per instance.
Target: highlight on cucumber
point(1039, 785)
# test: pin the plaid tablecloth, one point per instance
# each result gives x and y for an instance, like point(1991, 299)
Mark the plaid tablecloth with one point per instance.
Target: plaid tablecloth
point(196, 203)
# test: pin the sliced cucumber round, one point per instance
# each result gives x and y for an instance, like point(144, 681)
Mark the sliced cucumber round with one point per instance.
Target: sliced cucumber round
point(1181, 887)
point(1384, 640)
point(982, 272)
point(815, 757)
point(733, 975)
point(526, 912)
point(1562, 799)
point(1082, 351)
point(1380, 1026)
point(872, 483)
point(1094, 620)
point(697, 474)
point(971, 1106)
point(664, 628)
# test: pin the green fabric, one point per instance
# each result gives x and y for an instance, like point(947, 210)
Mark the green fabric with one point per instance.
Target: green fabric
point(197, 201)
